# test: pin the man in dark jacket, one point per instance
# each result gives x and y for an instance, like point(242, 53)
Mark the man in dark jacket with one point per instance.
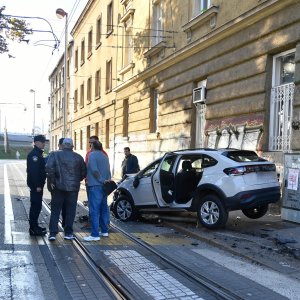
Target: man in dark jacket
point(36, 178)
point(65, 169)
point(130, 164)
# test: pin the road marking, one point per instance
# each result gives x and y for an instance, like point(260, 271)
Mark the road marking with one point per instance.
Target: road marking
point(8, 211)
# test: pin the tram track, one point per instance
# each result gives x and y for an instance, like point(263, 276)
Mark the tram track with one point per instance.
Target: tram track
point(213, 287)
point(120, 291)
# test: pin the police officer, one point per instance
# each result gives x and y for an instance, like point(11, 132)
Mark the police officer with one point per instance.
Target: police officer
point(36, 177)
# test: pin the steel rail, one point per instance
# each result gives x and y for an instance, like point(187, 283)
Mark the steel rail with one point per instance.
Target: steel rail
point(113, 286)
point(210, 285)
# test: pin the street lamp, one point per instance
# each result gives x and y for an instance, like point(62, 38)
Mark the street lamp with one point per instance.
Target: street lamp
point(33, 127)
point(60, 13)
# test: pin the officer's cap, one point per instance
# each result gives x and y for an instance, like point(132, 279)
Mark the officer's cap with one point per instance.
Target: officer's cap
point(39, 138)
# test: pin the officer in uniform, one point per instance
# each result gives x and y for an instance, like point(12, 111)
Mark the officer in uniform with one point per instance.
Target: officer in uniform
point(36, 177)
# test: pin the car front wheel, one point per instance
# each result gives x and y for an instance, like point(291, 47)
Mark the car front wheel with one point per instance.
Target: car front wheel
point(211, 212)
point(256, 212)
point(124, 209)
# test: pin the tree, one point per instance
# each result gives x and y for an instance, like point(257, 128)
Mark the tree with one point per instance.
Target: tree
point(11, 28)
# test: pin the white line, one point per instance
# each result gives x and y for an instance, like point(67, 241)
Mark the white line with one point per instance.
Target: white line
point(8, 211)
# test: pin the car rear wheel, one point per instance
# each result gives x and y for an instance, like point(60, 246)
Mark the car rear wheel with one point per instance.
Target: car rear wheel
point(211, 212)
point(256, 212)
point(124, 209)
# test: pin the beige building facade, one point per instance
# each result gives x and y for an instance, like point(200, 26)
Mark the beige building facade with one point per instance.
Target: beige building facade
point(160, 75)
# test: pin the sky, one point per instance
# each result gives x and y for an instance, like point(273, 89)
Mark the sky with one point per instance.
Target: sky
point(31, 63)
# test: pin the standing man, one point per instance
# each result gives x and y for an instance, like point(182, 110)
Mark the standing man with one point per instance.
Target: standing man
point(92, 139)
point(36, 177)
point(98, 172)
point(130, 164)
point(65, 169)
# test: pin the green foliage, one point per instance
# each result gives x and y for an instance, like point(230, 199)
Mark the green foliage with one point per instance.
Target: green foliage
point(13, 29)
point(11, 154)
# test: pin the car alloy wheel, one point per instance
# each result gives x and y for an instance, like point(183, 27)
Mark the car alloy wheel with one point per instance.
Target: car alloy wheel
point(124, 209)
point(211, 212)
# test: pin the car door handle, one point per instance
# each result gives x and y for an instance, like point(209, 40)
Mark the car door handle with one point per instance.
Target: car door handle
point(156, 181)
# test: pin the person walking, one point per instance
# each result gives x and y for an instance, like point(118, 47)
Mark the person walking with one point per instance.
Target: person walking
point(36, 178)
point(130, 164)
point(98, 172)
point(65, 169)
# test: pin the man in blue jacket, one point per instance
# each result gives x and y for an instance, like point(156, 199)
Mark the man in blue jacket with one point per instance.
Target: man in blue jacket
point(36, 177)
point(130, 164)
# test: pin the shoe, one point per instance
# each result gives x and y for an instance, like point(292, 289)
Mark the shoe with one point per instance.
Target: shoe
point(69, 237)
point(104, 234)
point(52, 237)
point(36, 232)
point(91, 238)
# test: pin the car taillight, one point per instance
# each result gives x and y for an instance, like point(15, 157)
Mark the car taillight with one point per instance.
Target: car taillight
point(250, 169)
point(235, 171)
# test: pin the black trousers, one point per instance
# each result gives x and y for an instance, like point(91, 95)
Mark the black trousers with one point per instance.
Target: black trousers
point(36, 199)
point(69, 201)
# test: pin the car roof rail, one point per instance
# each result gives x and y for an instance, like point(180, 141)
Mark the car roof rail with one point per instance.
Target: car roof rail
point(195, 149)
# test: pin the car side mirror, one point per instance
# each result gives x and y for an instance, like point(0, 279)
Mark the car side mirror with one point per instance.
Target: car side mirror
point(136, 182)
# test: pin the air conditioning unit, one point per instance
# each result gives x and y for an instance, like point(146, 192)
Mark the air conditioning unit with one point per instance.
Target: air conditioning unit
point(199, 94)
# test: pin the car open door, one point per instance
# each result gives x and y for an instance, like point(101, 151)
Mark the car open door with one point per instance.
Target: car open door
point(163, 180)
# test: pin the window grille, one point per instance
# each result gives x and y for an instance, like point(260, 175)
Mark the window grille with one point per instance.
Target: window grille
point(281, 114)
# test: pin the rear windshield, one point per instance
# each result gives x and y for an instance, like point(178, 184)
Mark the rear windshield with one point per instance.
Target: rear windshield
point(243, 156)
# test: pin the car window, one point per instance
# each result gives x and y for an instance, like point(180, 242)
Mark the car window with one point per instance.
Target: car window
point(148, 171)
point(208, 161)
point(243, 156)
point(168, 164)
point(195, 161)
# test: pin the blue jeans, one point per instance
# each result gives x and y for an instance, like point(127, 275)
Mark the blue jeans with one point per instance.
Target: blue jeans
point(98, 209)
point(106, 211)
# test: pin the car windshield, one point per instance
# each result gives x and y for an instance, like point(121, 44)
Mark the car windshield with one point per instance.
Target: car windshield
point(243, 156)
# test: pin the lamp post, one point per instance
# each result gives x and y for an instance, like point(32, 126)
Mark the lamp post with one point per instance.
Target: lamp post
point(33, 126)
point(60, 13)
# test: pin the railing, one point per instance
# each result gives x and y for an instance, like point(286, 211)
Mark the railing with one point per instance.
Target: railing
point(282, 97)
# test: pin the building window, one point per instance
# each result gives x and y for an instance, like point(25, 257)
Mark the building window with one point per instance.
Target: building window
point(90, 42)
point(75, 100)
point(68, 68)
point(97, 129)
point(89, 90)
point(82, 95)
point(198, 7)
point(154, 110)
point(108, 86)
point(109, 18)
point(98, 32)
point(282, 98)
point(88, 134)
point(125, 117)
point(98, 84)
point(81, 140)
point(75, 140)
point(107, 133)
point(76, 60)
point(157, 23)
point(82, 60)
point(128, 46)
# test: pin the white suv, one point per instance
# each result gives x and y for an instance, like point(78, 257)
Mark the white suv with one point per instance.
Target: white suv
point(210, 182)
